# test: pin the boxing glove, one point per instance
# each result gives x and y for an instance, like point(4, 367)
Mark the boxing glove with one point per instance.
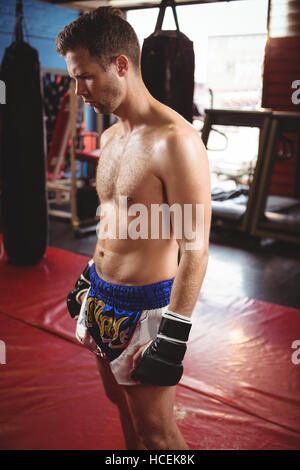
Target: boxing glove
point(82, 285)
point(82, 334)
point(78, 310)
point(161, 360)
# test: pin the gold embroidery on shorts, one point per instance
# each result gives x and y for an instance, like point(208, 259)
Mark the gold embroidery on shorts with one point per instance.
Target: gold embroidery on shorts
point(110, 327)
point(94, 309)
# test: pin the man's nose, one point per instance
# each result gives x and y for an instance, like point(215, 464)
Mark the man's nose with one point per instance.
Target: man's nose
point(80, 88)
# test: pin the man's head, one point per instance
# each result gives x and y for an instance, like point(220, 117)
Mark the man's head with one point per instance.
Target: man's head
point(104, 33)
point(99, 48)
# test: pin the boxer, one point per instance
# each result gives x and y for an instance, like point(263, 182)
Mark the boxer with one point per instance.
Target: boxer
point(134, 302)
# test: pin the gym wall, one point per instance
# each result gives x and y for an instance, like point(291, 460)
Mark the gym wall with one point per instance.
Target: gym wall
point(42, 23)
point(281, 68)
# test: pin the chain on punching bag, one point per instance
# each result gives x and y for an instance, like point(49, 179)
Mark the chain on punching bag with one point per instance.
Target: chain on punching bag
point(23, 199)
point(168, 64)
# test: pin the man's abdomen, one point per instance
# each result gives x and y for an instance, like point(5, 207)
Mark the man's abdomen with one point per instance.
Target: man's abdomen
point(136, 262)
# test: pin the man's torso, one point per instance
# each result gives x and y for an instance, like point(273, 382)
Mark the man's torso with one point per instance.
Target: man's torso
point(128, 169)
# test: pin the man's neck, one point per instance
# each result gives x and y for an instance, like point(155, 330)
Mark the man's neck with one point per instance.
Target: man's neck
point(135, 111)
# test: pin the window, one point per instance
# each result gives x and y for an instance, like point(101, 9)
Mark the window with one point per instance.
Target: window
point(229, 41)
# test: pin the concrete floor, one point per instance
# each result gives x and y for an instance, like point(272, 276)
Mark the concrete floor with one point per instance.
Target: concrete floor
point(269, 271)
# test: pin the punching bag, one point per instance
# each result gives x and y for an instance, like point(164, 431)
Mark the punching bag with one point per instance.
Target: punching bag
point(168, 64)
point(22, 153)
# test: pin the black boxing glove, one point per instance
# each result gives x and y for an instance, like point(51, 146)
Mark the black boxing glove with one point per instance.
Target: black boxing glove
point(161, 360)
point(82, 285)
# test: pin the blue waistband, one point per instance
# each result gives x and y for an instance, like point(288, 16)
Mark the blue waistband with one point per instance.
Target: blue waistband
point(146, 297)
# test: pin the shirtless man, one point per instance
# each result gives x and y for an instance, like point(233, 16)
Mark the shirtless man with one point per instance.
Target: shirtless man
point(139, 301)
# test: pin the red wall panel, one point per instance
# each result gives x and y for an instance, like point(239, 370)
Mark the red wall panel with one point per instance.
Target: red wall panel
point(281, 68)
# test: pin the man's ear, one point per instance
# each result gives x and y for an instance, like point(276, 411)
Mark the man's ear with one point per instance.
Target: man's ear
point(122, 65)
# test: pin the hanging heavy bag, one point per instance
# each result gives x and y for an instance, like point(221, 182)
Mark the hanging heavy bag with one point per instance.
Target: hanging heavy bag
point(23, 199)
point(168, 64)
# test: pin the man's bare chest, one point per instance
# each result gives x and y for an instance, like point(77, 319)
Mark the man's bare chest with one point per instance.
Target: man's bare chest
point(128, 172)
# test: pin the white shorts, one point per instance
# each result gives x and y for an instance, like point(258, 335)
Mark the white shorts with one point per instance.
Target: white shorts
point(119, 319)
point(146, 331)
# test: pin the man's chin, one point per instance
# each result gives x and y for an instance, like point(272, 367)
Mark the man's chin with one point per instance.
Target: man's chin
point(100, 109)
point(97, 109)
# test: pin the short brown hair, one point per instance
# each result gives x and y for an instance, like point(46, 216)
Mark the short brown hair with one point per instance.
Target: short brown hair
point(105, 33)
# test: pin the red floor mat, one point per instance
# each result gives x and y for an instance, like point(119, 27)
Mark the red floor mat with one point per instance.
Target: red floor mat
point(240, 388)
point(37, 294)
point(51, 396)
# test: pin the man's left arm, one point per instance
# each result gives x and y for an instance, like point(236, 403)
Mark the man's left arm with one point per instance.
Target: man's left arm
point(186, 178)
point(184, 171)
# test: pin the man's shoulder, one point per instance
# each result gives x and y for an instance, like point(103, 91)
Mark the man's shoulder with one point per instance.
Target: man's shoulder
point(178, 133)
point(109, 133)
point(173, 128)
point(180, 150)
point(180, 137)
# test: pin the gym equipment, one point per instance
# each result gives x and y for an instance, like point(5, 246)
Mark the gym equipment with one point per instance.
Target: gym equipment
point(276, 216)
point(168, 63)
point(233, 209)
point(54, 88)
point(78, 193)
point(251, 209)
point(59, 144)
point(23, 201)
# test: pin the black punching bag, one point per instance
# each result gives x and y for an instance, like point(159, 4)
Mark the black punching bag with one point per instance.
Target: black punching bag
point(22, 153)
point(168, 64)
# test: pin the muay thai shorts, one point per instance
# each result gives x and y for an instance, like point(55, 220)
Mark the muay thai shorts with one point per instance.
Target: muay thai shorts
point(123, 318)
